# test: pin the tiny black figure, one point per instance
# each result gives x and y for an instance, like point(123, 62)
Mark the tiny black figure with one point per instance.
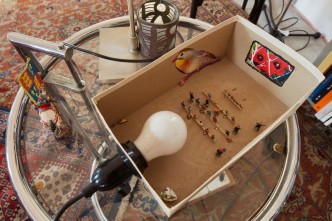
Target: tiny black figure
point(197, 101)
point(191, 97)
point(220, 151)
point(227, 132)
point(236, 129)
point(207, 103)
point(258, 126)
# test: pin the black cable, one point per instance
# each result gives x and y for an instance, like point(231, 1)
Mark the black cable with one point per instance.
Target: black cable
point(107, 57)
point(280, 36)
point(113, 58)
point(290, 18)
point(308, 41)
point(67, 205)
point(282, 9)
point(271, 14)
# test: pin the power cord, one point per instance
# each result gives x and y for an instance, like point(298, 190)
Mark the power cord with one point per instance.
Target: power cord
point(308, 41)
point(113, 58)
point(107, 57)
point(110, 174)
point(280, 35)
point(67, 205)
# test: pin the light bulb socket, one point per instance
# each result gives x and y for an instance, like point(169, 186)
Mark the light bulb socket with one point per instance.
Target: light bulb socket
point(135, 155)
point(115, 172)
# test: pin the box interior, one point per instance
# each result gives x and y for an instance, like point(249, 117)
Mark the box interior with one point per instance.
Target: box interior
point(155, 88)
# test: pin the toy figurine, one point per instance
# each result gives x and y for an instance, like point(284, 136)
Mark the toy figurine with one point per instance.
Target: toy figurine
point(236, 129)
point(50, 118)
point(122, 121)
point(206, 103)
point(227, 132)
point(220, 151)
point(197, 101)
point(190, 61)
point(258, 126)
point(226, 113)
point(33, 86)
point(49, 115)
point(206, 131)
point(191, 97)
point(168, 195)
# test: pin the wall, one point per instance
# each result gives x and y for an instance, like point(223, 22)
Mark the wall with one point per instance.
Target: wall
point(319, 13)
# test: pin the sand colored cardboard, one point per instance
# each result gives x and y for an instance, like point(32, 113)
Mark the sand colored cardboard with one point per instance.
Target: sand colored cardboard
point(155, 88)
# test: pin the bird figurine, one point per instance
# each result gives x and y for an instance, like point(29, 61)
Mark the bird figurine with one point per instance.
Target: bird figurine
point(190, 61)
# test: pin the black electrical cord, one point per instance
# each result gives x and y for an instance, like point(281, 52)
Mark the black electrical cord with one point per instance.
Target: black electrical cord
point(307, 40)
point(110, 174)
point(113, 58)
point(107, 57)
point(281, 38)
point(274, 19)
point(67, 205)
point(296, 21)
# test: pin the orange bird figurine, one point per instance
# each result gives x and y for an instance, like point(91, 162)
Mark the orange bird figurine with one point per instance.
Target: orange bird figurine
point(190, 61)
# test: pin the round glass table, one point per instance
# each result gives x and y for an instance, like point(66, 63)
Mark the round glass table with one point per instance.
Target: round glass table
point(46, 171)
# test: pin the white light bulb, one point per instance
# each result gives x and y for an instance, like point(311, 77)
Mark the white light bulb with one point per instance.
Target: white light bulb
point(164, 133)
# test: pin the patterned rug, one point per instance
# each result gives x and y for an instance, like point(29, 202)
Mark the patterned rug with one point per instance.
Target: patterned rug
point(56, 20)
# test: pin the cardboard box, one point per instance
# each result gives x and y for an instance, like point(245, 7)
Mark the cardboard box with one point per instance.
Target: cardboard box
point(264, 98)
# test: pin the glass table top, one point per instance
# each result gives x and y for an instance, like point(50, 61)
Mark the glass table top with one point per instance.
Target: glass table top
point(46, 171)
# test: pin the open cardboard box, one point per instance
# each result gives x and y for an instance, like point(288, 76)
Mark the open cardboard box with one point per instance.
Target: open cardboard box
point(265, 99)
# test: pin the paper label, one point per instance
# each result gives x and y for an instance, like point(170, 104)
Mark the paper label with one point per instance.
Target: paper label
point(269, 64)
point(31, 82)
point(57, 79)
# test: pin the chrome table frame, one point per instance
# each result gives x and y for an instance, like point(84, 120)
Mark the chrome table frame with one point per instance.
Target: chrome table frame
point(15, 122)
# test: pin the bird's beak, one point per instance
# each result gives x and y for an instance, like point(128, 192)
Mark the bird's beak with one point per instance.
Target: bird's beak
point(175, 59)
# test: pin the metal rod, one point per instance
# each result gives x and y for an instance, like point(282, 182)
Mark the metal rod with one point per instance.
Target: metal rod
point(25, 45)
point(283, 14)
point(35, 44)
point(133, 46)
point(87, 99)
